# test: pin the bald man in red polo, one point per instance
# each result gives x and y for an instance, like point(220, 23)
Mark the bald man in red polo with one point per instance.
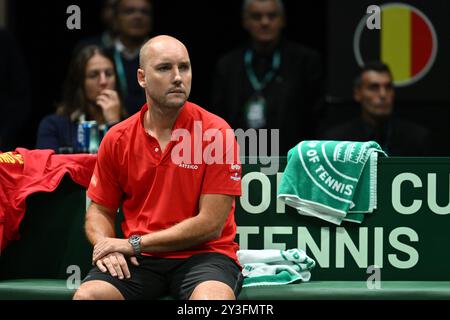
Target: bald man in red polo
point(175, 171)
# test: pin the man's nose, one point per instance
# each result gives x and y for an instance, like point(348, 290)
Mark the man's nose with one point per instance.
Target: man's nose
point(265, 20)
point(177, 76)
point(383, 92)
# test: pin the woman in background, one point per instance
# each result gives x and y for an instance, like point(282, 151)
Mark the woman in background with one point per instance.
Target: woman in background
point(89, 93)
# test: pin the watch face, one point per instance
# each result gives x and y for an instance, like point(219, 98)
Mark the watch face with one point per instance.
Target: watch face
point(135, 242)
point(135, 239)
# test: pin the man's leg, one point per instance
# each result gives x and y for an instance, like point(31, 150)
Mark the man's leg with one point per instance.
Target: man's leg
point(147, 282)
point(97, 290)
point(212, 290)
point(207, 276)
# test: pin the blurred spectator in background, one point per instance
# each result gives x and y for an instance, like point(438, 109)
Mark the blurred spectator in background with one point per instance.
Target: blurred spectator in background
point(15, 93)
point(129, 24)
point(107, 38)
point(89, 93)
point(374, 91)
point(270, 82)
point(133, 19)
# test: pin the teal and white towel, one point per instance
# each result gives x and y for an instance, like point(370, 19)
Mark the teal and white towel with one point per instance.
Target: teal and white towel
point(274, 267)
point(332, 180)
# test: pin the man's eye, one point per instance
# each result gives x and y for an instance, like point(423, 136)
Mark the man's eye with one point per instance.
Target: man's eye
point(256, 16)
point(184, 67)
point(164, 68)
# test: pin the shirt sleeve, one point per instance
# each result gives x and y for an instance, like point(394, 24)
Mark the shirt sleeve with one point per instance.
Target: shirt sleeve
point(104, 187)
point(224, 177)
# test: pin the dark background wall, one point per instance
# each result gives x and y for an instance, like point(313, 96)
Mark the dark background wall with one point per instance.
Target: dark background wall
point(209, 28)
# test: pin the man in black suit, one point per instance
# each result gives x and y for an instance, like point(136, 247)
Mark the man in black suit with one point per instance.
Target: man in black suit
point(271, 82)
point(374, 91)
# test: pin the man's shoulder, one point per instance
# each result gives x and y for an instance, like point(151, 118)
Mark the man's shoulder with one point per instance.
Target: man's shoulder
point(407, 126)
point(343, 131)
point(297, 49)
point(124, 124)
point(231, 57)
point(209, 119)
point(121, 129)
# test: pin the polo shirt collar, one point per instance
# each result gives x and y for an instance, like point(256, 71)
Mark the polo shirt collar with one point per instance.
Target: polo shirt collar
point(181, 121)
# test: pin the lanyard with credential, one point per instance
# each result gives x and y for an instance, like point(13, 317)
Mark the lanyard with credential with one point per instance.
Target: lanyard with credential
point(120, 72)
point(257, 85)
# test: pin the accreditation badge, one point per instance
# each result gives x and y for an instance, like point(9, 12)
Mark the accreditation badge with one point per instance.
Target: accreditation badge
point(255, 112)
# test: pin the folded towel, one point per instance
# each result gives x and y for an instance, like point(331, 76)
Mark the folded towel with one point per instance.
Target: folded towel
point(274, 267)
point(332, 180)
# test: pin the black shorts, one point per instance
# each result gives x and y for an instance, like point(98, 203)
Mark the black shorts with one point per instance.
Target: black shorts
point(158, 277)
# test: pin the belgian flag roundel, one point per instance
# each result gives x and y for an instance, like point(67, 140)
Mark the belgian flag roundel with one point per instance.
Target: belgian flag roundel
point(406, 42)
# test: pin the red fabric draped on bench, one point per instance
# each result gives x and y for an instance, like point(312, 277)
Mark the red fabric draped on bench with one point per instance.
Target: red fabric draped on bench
point(23, 172)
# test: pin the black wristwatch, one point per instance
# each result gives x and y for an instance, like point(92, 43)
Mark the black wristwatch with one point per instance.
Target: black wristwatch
point(135, 242)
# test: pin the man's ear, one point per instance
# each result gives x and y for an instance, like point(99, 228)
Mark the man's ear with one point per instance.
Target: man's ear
point(141, 78)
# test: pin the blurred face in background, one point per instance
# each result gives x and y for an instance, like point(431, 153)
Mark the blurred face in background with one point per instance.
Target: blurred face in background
point(264, 20)
point(107, 15)
point(134, 18)
point(99, 75)
point(376, 94)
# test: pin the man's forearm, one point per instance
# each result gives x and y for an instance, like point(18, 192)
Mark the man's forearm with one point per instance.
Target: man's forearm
point(98, 225)
point(188, 233)
point(205, 226)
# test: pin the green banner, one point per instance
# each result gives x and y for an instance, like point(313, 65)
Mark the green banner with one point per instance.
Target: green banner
point(405, 238)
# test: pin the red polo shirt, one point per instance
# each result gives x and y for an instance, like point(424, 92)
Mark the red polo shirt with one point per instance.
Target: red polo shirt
point(159, 189)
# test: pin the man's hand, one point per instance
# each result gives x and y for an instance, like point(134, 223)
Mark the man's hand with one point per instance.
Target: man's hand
point(116, 264)
point(109, 101)
point(109, 245)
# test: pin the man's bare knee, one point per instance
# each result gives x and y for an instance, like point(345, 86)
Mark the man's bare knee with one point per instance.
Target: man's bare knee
point(83, 294)
point(212, 290)
point(97, 290)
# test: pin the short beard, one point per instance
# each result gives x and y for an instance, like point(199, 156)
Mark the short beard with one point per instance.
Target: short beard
point(165, 103)
point(173, 105)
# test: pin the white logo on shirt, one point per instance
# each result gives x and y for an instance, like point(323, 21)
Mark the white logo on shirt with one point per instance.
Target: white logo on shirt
point(188, 166)
point(235, 167)
point(235, 177)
